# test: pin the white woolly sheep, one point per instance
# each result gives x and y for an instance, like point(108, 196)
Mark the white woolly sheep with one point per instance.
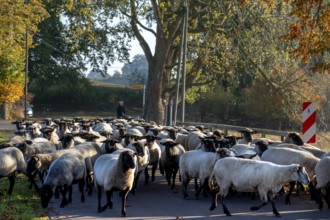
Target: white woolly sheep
point(251, 175)
point(322, 173)
point(63, 172)
point(286, 156)
point(194, 139)
point(103, 129)
point(112, 172)
point(30, 148)
point(143, 159)
point(247, 136)
point(155, 154)
point(110, 145)
point(11, 160)
point(199, 164)
point(170, 158)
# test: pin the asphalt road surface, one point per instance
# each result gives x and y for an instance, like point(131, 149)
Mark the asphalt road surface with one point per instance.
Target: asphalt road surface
point(158, 201)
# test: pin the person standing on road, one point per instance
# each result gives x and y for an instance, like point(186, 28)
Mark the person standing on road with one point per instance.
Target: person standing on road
point(121, 110)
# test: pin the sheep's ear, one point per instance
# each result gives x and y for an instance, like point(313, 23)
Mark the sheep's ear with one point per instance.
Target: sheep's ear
point(29, 142)
point(36, 158)
point(296, 168)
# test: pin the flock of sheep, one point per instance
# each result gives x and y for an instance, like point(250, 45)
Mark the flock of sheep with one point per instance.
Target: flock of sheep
point(111, 154)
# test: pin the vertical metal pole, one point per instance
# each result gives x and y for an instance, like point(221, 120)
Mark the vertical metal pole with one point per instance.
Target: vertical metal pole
point(184, 60)
point(143, 99)
point(176, 99)
point(26, 71)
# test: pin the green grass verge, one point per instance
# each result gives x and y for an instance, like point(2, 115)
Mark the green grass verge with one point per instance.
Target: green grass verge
point(23, 203)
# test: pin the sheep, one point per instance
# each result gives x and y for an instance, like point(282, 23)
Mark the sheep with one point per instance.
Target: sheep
point(251, 175)
point(30, 148)
point(34, 130)
point(198, 164)
point(112, 172)
point(247, 136)
point(286, 156)
point(131, 135)
point(11, 160)
point(103, 129)
point(50, 134)
point(63, 172)
point(155, 154)
point(69, 140)
point(170, 157)
point(322, 173)
point(89, 151)
point(193, 139)
point(110, 145)
point(143, 159)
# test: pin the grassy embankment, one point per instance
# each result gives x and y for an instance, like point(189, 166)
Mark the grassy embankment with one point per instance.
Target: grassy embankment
point(24, 203)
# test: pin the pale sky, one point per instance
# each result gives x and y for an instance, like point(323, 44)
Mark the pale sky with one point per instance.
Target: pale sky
point(135, 49)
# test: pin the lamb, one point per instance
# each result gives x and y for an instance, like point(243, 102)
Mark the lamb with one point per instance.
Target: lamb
point(11, 160)
point(63, 172)
point(112, 172)
point(286, 156)
point(199, 164)
point(170, 157)
point(322, 172)
point(251, 175)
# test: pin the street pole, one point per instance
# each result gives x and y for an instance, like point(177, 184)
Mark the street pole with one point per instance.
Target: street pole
point(26, 67)
point(185, 30)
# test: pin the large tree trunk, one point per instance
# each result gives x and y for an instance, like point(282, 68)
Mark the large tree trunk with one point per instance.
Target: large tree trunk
point(155, 105)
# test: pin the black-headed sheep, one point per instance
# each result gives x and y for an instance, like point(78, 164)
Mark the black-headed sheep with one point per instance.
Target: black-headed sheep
point(11, 160)
point(115, 172)
point(251, 175)
point(66, 170)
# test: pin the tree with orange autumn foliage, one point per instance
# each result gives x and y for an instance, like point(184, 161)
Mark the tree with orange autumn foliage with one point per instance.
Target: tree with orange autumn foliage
point(15, 18)
point(311, 31)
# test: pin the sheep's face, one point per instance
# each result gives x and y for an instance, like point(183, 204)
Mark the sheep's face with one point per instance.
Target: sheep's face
point(110, 145)
point(299, 174)
point(222, 153)
point(294, 138)
point(140, 148)
point(208, 144)
point(33, 164)
point(128, 160)
point(22, 147)
point(46, 193)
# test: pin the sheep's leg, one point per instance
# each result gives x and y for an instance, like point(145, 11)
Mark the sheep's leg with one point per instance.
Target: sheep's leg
point(146, 175)
point(153, 171)
point(81, 185)
point(161, 167)
point(311, 189)
point(196, 184)
point(274, 208)
point(136, 179)
point(11, 179)
point(287, 198)
point(70, 194)
point(214, 194)
point(109, 200)
point(173, 178)
point(123, 202)
point(327, 196)
point(99, 196)
point(57, 192)
point(185, 182)
point(64, 202)
point(224, 207)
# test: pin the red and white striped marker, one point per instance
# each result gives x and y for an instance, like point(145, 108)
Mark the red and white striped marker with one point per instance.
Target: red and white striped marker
point(309, 122)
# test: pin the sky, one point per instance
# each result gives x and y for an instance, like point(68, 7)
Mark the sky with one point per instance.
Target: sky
point(135, 49)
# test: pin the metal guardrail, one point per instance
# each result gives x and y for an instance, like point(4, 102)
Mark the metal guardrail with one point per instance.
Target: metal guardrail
point(227, 128)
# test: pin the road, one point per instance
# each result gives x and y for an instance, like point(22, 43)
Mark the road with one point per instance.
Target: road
point(158, 201)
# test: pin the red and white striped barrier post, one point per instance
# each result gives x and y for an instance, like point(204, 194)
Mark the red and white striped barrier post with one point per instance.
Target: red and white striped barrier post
point(309, 122)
